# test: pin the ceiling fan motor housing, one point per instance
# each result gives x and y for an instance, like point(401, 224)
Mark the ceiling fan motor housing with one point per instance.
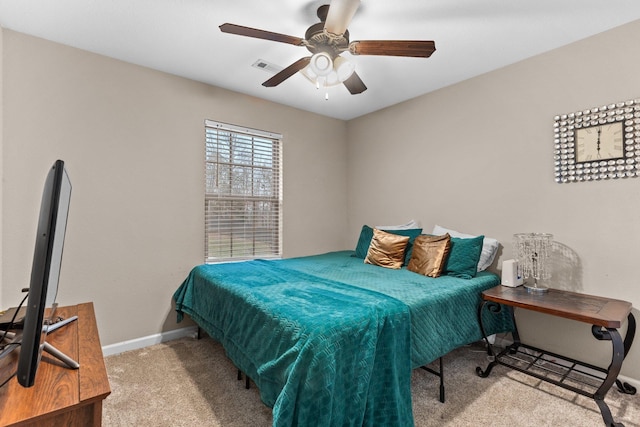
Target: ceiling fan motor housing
point(318, 40)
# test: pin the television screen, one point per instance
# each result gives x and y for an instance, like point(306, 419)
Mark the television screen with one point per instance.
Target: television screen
point(45, 270)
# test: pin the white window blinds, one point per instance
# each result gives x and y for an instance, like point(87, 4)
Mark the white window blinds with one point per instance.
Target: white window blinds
point(243, 196)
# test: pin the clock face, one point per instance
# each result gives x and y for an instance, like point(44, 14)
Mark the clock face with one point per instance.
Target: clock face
point(602, 142)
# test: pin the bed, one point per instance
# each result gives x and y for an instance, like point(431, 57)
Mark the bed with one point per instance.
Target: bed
point(331, 340)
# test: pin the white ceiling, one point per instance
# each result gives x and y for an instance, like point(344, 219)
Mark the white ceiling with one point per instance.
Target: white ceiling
point(181, 37)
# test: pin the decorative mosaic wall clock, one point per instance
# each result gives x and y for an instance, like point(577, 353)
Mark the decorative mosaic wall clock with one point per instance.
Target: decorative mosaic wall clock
point(598, 143)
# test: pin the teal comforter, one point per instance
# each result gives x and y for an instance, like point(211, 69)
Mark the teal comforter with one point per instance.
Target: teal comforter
point(329, 340)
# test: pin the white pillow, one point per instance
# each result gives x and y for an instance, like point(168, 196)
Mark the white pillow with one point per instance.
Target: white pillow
point(408, 226)
point(489, 245)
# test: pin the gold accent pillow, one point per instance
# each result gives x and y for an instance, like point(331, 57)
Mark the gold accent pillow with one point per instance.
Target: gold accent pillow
point(429, 254)
point(386, 249)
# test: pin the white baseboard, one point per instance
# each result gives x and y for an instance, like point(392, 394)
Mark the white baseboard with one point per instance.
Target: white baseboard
point(134, 344)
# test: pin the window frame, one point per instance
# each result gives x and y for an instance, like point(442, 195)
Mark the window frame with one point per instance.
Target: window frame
point(252, 213)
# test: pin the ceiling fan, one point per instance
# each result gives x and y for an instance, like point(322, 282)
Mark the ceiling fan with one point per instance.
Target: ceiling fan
point(326, 40)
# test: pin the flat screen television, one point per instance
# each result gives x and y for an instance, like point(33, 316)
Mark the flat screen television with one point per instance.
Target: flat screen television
point(45, 272)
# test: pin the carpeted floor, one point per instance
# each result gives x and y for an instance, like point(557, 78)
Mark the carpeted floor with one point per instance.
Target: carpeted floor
point(190, 382)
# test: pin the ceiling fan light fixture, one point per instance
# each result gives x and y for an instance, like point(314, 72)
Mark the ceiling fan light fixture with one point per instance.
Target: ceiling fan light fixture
point(332, 79)
point(321, 64)
point(343, 68)
point(318, 74)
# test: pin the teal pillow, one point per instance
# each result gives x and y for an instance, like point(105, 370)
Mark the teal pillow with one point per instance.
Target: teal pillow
point(464, 256)
point(366, 234)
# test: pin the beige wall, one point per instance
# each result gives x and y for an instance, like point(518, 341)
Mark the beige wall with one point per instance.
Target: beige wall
point(133, 143)
point(477, 157)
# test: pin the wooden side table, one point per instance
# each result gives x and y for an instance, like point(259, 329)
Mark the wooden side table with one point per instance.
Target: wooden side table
point(604, 314)
point(62, 396)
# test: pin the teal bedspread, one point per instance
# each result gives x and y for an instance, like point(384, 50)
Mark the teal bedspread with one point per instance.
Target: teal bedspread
point(329, 340)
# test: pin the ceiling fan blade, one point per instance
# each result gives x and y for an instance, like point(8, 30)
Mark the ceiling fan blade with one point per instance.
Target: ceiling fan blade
point(414, 48)
point(287, 72)
point(340, 15)
point(260, 34)
point(354, 84)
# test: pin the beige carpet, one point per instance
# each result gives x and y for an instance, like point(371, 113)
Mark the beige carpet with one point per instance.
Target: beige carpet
point(191, 383)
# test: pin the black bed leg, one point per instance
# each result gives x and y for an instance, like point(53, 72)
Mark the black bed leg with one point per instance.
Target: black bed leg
point(247, 383)
point(441, 382)
point(440, 374)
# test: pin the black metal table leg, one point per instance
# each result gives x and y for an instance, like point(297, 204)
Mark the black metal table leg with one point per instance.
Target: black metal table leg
point(609, 334)
point(479, 371)
point(495, 308)
point(627, 388)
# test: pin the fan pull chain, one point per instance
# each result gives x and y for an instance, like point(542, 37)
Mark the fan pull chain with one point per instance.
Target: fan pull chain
point(324, 85)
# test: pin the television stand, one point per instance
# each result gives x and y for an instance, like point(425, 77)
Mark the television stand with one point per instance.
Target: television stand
point(54, 351)
point(52, 327)
point(48, 347)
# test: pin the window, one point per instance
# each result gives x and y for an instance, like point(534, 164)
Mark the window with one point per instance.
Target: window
point(243, 196)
